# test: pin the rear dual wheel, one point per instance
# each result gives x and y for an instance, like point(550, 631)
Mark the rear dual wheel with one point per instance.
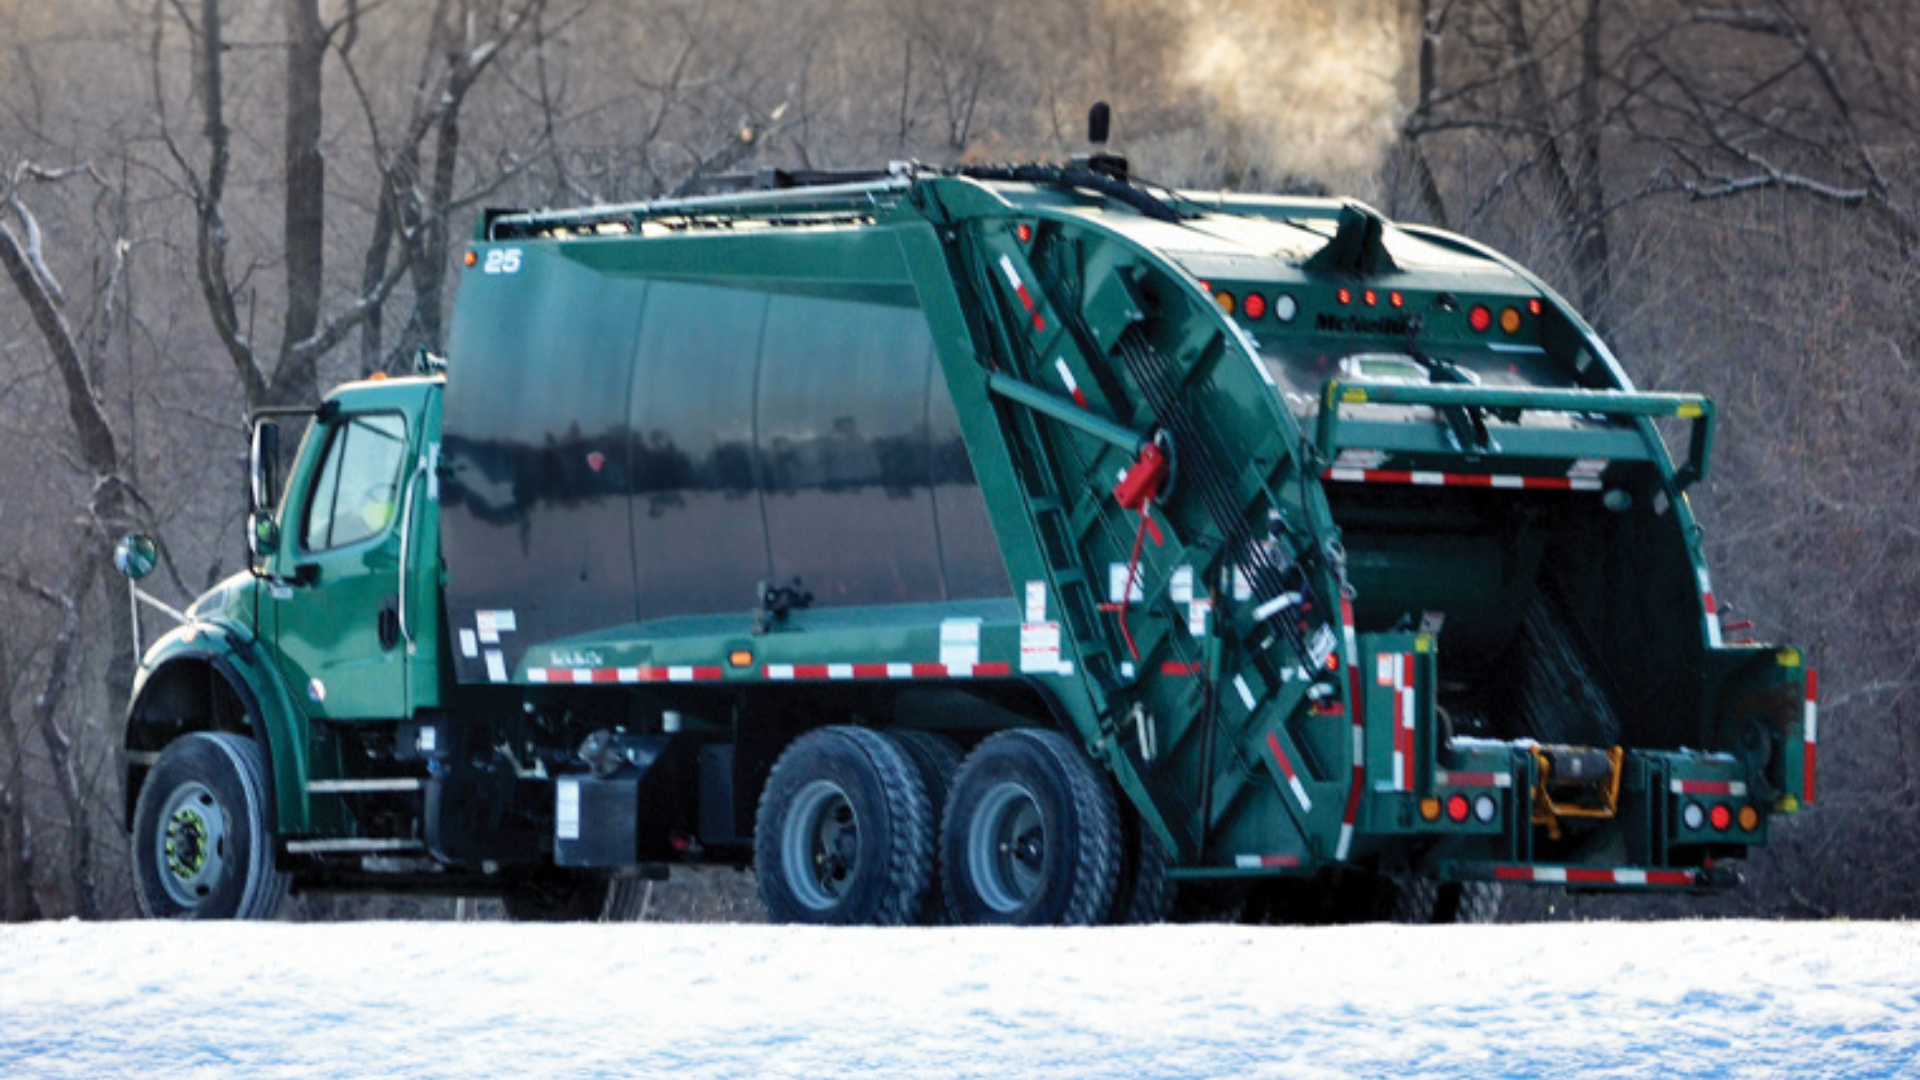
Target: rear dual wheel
point(844, 834)
point(1031, 835)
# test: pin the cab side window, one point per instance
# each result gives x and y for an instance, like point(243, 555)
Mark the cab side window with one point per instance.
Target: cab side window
point(357, 492)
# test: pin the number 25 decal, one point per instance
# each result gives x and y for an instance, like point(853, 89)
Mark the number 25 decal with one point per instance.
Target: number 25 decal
point(503, 261)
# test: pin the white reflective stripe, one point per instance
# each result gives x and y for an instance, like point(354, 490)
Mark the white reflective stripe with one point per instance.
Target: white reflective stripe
point(1346, 842)
point(1629, 877)
point(1300, 792)
point(1359, 744)
point(1274, 606)
point(1429, 479)
point(1399, 771)
point(899, 671)
point(537, 675)
point(779, 671)
point(1585, 485)
point(1066, 373)
point(1550, 874)
point(628, 674)
point(839, 671)
point(1013, 276)
point(1812, 723)
point(1246, 692)
point(1351, 476)
point(1513, 483)
point(1247, 862)
point(680, 673)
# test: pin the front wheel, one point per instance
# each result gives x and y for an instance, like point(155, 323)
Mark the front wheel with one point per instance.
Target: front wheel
point(201, 845)
point(1031, 836)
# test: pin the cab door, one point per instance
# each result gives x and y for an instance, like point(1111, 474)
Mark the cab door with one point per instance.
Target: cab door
point(336, 593)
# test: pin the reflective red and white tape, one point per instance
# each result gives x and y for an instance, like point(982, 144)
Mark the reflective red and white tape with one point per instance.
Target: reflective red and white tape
point(1286, 769)
point(1358, 713)
point(1395, 671)
point(1020, 290)
point(1580, 875)
point(797, 672)
point(1505, 482)
point(579, 676)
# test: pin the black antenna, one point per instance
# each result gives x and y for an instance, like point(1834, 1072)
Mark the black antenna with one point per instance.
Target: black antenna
point(1099, 119)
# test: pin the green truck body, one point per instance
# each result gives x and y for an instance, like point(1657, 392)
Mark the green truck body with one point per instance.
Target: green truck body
point(1005, 546)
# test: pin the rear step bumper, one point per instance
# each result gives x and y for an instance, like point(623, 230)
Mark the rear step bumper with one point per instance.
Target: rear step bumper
point(1711, 878)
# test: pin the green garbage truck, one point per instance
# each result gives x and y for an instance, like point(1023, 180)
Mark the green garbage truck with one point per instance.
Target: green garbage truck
point(1014, 544)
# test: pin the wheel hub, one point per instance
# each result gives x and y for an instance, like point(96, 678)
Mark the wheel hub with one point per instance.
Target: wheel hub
point(192, 848)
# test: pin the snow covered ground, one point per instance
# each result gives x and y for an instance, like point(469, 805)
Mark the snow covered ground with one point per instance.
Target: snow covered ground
point(1678, 999)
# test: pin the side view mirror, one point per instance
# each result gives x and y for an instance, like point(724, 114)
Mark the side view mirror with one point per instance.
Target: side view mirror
point(136, 555)
point(263, 464)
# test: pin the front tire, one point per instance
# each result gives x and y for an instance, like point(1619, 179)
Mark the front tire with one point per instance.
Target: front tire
point(844, 835)
point(1031, 835)
point(202, 848)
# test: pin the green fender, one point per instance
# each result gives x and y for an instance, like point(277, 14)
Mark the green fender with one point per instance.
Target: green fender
point(175, 693)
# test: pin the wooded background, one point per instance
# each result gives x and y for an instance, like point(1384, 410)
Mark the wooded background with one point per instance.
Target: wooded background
point(216, 204)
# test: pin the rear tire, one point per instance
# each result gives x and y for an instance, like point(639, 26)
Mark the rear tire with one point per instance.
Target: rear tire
point(1144, 893)
point(1441, 903)
point(1031, 835)
point(936, 759)
point(202, 848)
point(844, 836)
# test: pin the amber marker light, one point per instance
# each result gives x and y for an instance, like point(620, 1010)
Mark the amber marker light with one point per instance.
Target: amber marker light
point(740, 658)
point(473, 257)
point(1510, 320)
point(1430, 809)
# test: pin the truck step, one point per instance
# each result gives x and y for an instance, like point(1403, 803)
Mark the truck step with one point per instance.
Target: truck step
point(357, 787)
point(351, 846)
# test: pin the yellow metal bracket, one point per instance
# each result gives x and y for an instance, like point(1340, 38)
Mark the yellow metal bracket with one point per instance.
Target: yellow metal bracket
point(1556, 799)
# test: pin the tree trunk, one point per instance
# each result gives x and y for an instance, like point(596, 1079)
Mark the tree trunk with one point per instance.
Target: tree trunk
point(296, 378)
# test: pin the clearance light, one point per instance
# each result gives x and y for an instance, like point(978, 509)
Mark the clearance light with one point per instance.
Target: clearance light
point(1480, 318)
point(1370, 298)
point(1457, 808)
point(1692, 816)
point(1749, 819)
point(1395, 299)
point(1722, 817)
point(1024, 231)
point(1225, 300)
point(1430, 809)
point(1534, 306)
point(1255, 306)
point(1510, 320)
point(1484, 809)
point(473, 257)
point(1285, 308)
point(1345, 296)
